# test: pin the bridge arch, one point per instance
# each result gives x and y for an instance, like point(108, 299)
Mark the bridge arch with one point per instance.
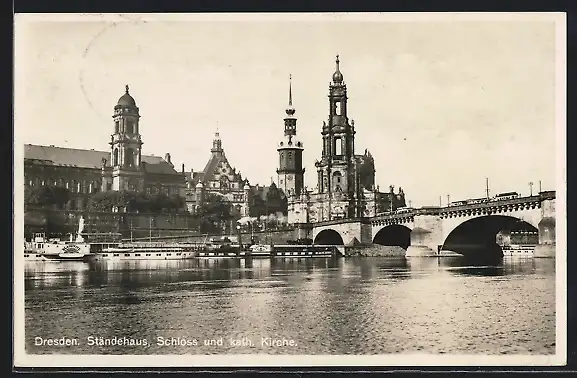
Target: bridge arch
point(394, 235)
point(478, 236)
point(329, 237)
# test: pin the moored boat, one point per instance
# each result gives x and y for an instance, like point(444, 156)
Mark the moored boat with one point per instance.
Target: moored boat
point(518, 250)
point(55, 249)
point(147, 251)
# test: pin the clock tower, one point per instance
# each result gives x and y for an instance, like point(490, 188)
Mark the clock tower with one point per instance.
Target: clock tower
point(290, 171)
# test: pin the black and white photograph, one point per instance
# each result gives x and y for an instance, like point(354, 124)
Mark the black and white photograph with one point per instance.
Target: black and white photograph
point(299, 189)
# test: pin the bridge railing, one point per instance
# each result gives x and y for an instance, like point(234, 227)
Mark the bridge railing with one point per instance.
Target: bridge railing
point(340, 221)
point(494, 203)
point(438, 210)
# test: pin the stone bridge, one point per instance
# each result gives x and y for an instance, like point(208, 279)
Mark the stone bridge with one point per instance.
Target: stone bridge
point(465, 229)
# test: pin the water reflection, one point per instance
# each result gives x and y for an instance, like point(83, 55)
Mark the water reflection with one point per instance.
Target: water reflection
point(329, 306)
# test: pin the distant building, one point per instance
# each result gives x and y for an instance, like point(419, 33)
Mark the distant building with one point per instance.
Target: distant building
point(220, 178)
point(122, 167)
point(345, 181)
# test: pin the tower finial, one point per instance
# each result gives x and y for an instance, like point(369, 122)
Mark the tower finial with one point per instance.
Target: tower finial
point(338, 76)
point(126, 87)
point(290, 90)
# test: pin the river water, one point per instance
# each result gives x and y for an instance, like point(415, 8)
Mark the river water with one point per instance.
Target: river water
point(307, 306)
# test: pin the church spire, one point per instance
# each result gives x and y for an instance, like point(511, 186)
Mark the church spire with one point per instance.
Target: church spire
point(290, 110)
point(290, 90)
point(290, 121)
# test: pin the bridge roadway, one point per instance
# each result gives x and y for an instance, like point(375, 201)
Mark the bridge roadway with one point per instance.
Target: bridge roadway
point(427, 231)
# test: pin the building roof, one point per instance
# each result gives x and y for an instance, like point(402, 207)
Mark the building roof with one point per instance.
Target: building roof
point(73, 157)
point(210, 167)
point(126, 99)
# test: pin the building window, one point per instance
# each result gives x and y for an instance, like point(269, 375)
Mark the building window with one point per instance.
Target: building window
point(116, 127)
point(338, 108)
point(61, 182)
point(129, 157)
point(115, 157)
point(129, 127)
point(338, 146)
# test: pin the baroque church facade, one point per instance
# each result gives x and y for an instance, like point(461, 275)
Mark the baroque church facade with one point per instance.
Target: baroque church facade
point(123, 167)
point(345, 181)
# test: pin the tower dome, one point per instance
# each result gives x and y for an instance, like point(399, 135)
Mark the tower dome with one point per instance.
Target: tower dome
point(337, 76)
point(126, 99)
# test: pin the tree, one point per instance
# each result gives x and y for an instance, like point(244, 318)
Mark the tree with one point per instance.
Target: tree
point(45, 196)
point(214, 212)
point(257, 205)
point(103, 201)
point(135, 202)
point(177, 202)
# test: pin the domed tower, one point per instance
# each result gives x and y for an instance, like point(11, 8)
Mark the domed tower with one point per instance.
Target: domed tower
point(126, 145)
point(336, 168)
point(290, 172)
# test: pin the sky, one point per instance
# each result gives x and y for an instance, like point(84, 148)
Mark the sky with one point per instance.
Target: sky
point(440, 104)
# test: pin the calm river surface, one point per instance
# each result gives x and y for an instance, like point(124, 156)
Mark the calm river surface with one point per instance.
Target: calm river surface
point(325, 306)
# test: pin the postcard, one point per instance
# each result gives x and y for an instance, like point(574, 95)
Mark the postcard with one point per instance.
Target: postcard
point(280, 190)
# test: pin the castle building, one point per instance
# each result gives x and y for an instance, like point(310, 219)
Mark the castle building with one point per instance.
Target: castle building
point(122, 168)
point(345, 181)
point(220, 178)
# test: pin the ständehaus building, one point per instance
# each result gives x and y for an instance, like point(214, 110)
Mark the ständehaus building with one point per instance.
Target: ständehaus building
point(345, 181)
point(123, 167)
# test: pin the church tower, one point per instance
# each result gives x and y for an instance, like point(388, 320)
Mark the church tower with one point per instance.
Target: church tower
point(336, 169)
point(126, 146)
point(290, 172)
